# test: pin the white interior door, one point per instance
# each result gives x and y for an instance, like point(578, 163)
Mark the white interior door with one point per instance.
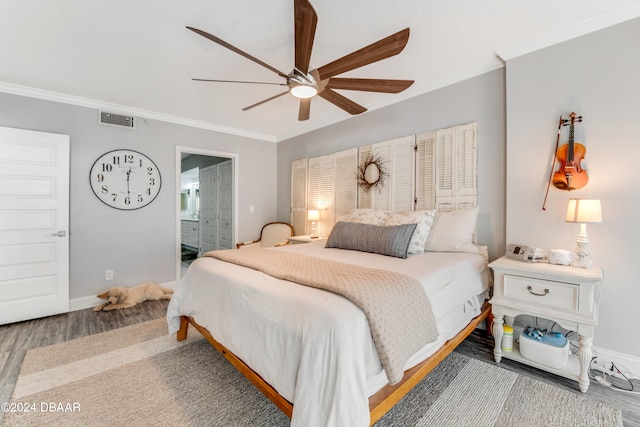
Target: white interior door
point(225, 192)
point(208, 209)
point(34, 224)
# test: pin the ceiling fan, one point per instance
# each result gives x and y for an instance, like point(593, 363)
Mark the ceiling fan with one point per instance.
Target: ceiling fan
point(304, 83)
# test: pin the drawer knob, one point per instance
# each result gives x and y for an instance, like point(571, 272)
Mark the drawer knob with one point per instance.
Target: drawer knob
point(530, 289)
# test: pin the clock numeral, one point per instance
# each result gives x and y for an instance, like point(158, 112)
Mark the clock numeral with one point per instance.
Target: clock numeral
point(127, 200)
point(100, 177)
point(114, 196)
point(104, 189)
point(107, 167)
point(149, 170)
point(152, 181)
point(116, 160)
point(148, 191)
point(128, 158)
point(140, 200)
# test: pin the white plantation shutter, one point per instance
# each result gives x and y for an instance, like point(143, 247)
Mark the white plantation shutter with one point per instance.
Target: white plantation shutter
point(425, 171)
point(445, 147)
point(398, 158)
point(320, 193)
point(466, 165)
point(299, 196)
point(381, 194)
point(402, 173)
point(456, 163)
point(365, 199)
point(346, 181)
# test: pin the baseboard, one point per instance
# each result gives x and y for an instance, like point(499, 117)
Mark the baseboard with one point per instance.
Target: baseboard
point(631, 363)
point(84, 303)
point(91, 301)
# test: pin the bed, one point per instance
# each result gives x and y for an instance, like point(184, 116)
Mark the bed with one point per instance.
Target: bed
point(310, 350)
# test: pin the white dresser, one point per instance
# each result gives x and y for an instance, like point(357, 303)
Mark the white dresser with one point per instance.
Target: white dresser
point(190, 233)
point(567, 295)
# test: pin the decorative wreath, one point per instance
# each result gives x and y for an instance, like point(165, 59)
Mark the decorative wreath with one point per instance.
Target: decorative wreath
point(376, 180)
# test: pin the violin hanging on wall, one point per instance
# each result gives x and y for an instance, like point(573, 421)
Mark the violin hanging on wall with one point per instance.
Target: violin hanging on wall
point(571, 175)
point(567, 171)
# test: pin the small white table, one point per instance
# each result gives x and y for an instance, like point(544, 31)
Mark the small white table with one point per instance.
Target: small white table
point(567, 295)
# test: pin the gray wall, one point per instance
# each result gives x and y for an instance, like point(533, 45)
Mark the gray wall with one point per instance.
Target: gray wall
point(138, 245)
point(597, 77)
point(480, 99)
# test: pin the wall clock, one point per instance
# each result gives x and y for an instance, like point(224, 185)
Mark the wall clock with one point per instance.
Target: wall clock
point(125, 179)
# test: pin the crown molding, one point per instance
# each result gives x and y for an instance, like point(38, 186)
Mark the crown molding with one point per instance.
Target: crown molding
point(608, 19)
point(123, 109)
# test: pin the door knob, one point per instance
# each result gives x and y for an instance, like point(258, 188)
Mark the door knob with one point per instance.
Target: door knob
point(60, 233)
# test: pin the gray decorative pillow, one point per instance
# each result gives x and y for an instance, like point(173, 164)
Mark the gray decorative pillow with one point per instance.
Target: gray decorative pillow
point(385, 240)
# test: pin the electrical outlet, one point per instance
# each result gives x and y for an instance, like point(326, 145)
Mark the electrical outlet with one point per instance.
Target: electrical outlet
point(108, 274)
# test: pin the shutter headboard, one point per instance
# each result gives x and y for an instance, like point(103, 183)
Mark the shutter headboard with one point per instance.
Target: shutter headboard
point(430, 170)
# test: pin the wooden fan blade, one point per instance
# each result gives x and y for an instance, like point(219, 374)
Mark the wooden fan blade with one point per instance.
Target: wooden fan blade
point(239, 81)
point(263, 101)
point(340, 101)
point(369, 85)
point(305, 109)
point(236, 50)
point(305, 31)
point(377, 51)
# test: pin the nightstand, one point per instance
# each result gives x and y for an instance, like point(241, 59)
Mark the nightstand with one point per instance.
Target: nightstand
point(295, 240)
point(567, 295)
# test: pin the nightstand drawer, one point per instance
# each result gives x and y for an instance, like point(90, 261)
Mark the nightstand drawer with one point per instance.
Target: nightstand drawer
point(543, 292)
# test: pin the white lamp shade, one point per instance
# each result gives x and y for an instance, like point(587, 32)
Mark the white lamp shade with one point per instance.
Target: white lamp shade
point(584, 211)
point(313, 215)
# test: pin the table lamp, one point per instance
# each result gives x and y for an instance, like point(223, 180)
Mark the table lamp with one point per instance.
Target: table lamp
point(313, 215)
point(583, 211)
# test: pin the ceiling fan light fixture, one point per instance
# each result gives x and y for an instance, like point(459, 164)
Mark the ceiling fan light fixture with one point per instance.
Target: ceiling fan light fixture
point(303, 91)
point(304, 82)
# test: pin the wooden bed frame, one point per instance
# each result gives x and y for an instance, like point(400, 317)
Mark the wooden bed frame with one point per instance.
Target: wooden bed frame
point(379, 403)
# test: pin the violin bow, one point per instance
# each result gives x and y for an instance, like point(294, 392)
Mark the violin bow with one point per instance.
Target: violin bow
point(561, 123)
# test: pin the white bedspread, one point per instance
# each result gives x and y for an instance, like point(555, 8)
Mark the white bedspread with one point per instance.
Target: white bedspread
point(314, 347)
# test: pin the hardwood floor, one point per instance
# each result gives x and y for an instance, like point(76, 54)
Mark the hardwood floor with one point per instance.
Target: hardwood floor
point(16, 339)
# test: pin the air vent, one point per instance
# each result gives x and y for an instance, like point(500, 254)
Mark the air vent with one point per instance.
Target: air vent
point(112, 119)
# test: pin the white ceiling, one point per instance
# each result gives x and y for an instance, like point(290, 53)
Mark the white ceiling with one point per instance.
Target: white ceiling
point(137, 57)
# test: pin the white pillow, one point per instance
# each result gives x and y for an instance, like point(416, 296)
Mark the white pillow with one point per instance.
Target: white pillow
point(367, 216)
point(423, 219)
point(453, 231)
point(343, 218)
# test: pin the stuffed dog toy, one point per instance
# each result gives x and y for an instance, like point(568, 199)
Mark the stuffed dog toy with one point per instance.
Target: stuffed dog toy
point(121, 297)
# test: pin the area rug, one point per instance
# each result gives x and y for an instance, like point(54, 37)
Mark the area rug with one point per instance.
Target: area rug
point(138, 375)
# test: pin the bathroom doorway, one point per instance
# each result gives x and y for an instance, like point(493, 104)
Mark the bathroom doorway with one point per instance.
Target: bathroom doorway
point(206, 203)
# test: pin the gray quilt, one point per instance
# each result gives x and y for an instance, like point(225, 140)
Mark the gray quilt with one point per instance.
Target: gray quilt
point(397, 308)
